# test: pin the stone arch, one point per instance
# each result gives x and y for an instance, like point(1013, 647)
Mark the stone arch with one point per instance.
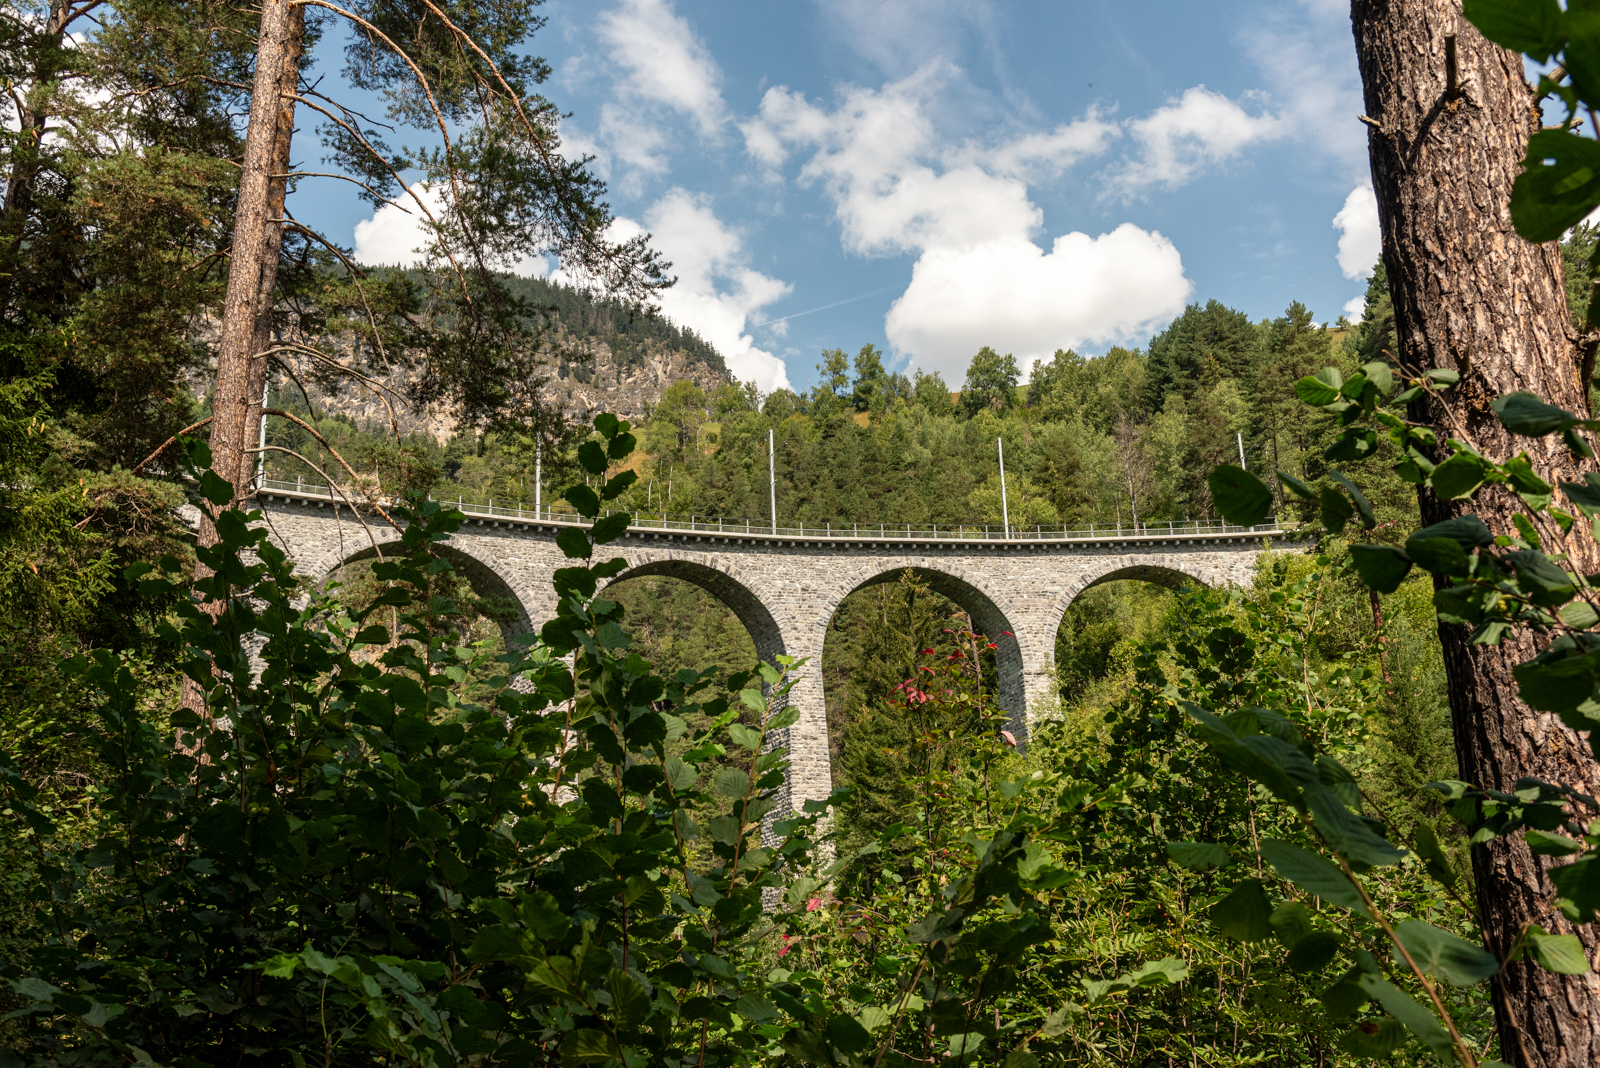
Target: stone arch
point(992, 616)
point(484, 577)
point(807, 741)
point(726, 585)
point(1158, 569)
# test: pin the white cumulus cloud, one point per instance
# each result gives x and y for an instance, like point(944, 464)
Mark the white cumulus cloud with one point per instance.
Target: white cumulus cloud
point(397, 232)
point(717, 291)
point(964, 210)
point(1198, 130)
point(664, 62)
point(1014, 296)
point(397, 235)
point(1360, 241)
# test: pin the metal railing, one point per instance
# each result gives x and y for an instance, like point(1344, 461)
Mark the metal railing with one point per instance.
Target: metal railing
point(712, 524)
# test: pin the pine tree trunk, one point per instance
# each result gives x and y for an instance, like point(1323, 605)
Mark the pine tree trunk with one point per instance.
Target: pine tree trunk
point(1471, 295)
point(277, 191)
point(252, 240)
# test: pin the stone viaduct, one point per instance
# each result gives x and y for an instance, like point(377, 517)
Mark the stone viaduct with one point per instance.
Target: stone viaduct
point(785, 588)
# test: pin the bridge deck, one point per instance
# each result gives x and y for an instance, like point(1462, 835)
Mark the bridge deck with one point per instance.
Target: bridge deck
point(716, 528)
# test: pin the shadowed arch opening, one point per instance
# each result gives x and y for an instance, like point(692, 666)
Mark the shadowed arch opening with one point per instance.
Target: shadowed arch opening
point(494, 599)
point(727, 590)
point(872, 642)
point(988, 619)
point(1156, 574)
point(1102, 623)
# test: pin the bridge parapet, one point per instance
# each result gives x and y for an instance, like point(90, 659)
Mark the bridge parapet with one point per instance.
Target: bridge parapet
point(704, 527)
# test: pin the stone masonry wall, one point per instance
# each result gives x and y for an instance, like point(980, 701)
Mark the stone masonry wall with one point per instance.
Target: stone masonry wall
point(785, 589)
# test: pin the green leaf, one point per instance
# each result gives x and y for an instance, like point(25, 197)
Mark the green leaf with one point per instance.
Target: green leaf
point(1298, 488)
point(630, 1005)
point(1548, 199)
point(1532, 26)
point(1460, 476)
point(621, 446)
point(1320, 389)
point(593, 457)
point(847, 1035)
point(1291, 921)
point(1579, 882)
point(1382, 567)
point(574, 543)
point(1441, 556)
point(618, 484)
point(1336, 511)
point(1368, 519)
point(1433, 856)
point(1374, 1038)
point(1467, 531)
point(215, 488)
point(1312, 874)
point(1344, 997)
point(1546, 584)
point(1347, 833)
point(497, 942)
point(1550, 844)
point(1314, 952)
point(748, 737)
point(1380, 375)
point(1579, 615)
point(1356, 443)
point(607, 424)
point(1560, 678)
point(1439, 953)
point(1242, 498)
point(1418, 1020)
point(1055, 1025)
point(1245, 914)
point(1524, 413)
point(731, 782)
point(1585, 495)
point(584, 499)
point(680, 775)
point(1198, 856)
point(755, 1007)
point(611, 527)
point(587, 1045)
point(1559, 953)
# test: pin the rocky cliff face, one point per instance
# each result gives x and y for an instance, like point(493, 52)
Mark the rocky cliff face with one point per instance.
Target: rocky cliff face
point(628, 387)
point(602, 358)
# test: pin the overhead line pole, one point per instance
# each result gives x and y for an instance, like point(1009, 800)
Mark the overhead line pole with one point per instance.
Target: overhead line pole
point(1005, 509)
point(772, 479)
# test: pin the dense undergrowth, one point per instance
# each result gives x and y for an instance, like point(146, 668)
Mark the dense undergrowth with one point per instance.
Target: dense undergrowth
point(379, 848)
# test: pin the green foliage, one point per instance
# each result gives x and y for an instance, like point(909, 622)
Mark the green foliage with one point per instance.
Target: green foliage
point(352, 855)
point(991, 382)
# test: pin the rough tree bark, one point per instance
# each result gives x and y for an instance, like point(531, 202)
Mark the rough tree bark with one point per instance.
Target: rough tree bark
point(1471, 295)
point(277, 191)
point(254, 237)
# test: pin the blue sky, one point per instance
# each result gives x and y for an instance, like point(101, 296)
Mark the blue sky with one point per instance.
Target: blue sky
point(953, 174)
